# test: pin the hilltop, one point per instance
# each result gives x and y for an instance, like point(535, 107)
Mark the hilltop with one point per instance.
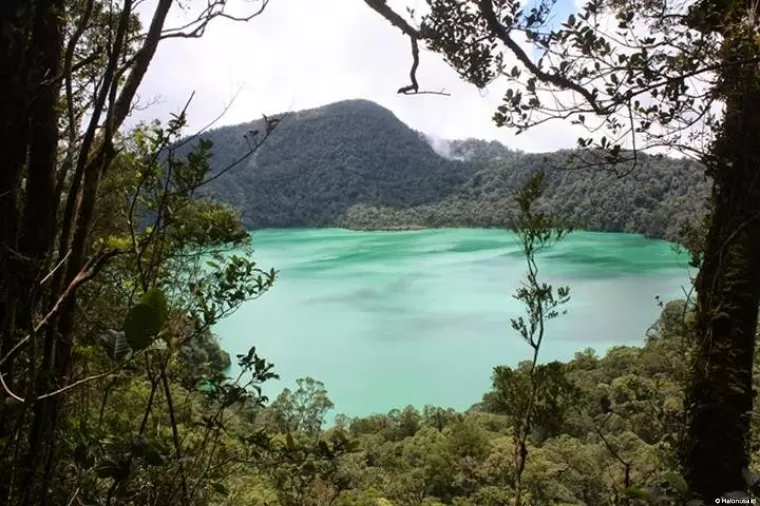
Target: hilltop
point(354, 164)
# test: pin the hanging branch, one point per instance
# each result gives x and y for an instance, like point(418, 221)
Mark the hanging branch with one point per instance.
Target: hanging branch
point(414, 37)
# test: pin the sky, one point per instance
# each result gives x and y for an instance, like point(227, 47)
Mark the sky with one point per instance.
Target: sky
point(300, 54)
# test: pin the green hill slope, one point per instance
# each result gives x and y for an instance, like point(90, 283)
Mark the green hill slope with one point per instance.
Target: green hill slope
point(354, 164)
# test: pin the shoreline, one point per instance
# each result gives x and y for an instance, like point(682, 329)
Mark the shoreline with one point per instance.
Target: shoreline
point(419, 228)
point(394, 228)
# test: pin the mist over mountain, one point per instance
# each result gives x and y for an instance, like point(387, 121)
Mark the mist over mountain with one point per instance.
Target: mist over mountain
point(474, 150)
point(354, 164)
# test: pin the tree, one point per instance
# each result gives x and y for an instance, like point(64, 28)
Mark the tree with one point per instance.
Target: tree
point(642, 74)
point(554, 397)
point(174, 278)
point(536, 231)
point(70, 73)
point(303, 409)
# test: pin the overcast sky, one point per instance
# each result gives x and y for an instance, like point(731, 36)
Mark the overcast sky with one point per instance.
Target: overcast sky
point(306, 53)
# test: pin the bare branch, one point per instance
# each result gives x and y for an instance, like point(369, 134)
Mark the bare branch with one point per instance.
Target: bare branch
point(58, 266)
point(381, 8)
point(142, 60)
point(414, 37)
point(89, 271)
point(215, 9)
point(10, 392)
point(210, 124)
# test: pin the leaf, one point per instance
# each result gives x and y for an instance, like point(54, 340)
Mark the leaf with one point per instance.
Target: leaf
point(639, 493)
point(121, 349)
point(159, 344)
point(156, 299)
point(115, 344)
point(142, 324)
point(677, 482)
point(107, 469)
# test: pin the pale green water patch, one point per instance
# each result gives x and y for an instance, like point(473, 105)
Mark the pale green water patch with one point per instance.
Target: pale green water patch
point(387, 319)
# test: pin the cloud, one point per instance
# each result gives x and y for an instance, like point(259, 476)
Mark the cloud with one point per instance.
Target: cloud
point(442, 147)
point(306, 53)
point(301, 54)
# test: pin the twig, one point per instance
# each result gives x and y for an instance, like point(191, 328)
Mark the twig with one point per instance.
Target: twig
point(58, 266)
point(415, 36)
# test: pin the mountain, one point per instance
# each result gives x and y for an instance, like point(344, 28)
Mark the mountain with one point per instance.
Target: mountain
point(354, 164)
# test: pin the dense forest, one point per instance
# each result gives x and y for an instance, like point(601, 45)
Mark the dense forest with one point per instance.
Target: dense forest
point(353, 164)
point(121, 248)
point(601, 425)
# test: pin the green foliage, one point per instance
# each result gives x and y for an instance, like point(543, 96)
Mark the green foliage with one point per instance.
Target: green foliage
point(162, 423)
point(115, 345)
point(203, 352)
point(438, 456)
point(141, 325)
point(556, 396)
point(301, 410)
point(205, 223)
point(536, 231)
point(147, 414)
point(169, 425)
point(353, 164)
point(144, 320)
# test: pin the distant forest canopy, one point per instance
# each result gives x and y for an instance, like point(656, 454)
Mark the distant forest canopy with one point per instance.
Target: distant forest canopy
point(353, 164)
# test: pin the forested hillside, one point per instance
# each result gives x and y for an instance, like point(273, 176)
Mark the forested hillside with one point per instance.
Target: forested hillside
point(354, 164)
point(601, 426)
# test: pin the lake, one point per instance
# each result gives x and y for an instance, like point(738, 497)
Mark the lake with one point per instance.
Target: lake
point(389, 319)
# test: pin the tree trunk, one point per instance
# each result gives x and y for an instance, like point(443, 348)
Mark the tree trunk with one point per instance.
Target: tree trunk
point(15, 18)
point(37, 235)
point(720, 396)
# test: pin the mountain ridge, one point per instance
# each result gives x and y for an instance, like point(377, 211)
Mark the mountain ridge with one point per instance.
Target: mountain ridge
point(354, 164)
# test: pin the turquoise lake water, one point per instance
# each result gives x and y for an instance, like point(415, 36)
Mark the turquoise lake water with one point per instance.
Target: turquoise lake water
point(389, 319)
